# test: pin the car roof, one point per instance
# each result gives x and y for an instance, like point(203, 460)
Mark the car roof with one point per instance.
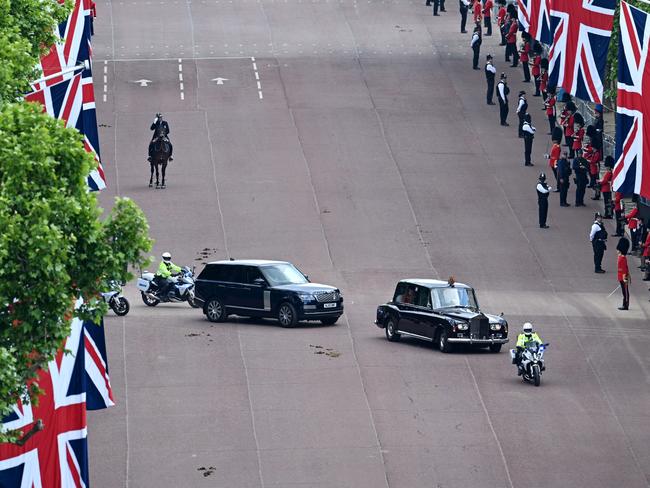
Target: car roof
point(432, 283)
point(249, 262)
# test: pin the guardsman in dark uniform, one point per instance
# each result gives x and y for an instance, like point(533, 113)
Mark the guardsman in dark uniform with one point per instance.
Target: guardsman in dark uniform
point(618, 213)
point(580, 169)
point(502, 96)
point(522, 110)
point(563, 175)
point(542, 200)
point(529, 134)
point(475, 44)
point(490, 74)
point(598, 238)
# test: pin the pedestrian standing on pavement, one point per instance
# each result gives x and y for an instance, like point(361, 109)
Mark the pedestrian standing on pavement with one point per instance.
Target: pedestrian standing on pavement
point(524, 56)
point(598, 238)
point(563, 175)
point(487, 16)
point(502, 96)
point(501, 21)
point(618, 213)
point(475, 44)
point(580, 169)
point(463, 5)
point(605, 184)
point(623, 274)
point(542, 200)
point(490, 75)
point(522, 110)
point(549, 106)
point(529, 134)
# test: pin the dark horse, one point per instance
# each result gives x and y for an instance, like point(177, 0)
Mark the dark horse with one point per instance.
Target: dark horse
point(161, 150)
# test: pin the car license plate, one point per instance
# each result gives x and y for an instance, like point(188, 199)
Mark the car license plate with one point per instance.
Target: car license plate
point(329, 305)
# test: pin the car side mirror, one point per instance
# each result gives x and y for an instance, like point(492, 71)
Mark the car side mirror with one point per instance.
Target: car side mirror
point(259, 281)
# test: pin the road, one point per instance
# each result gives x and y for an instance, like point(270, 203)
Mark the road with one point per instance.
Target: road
point(351, 138)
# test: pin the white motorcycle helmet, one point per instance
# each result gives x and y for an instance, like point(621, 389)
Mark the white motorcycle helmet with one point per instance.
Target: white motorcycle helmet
point(527, 328)
point(166, 256)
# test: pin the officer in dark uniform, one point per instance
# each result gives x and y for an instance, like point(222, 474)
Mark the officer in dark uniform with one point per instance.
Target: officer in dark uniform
point(529, 134)
point(581, 170)
point(160, 127)
point(563, 173)
point(502, 96)
point(476, 46)
point(598, 238)
point(522, 110)
point(542, 200)
point(463, 5)
point(490, 74)
point(436, 5)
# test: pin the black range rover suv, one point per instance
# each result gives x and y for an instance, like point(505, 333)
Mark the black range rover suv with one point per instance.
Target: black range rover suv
point(260, 288)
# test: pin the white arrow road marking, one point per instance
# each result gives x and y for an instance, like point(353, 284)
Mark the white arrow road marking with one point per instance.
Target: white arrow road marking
point(219, 80)
point(142, 82)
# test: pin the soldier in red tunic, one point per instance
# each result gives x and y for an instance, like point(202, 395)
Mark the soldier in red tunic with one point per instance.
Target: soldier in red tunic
point(623, 274)
point(618, 213)
point(549, 105)
point(524, 57)
point(605, 184)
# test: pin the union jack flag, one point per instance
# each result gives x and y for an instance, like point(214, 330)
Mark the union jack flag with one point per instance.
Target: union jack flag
point(74, 49)
point(56, 456)
point(65, 101)
point(581, 31)
point(99, 393)
point(632, 169)
point(534, 19)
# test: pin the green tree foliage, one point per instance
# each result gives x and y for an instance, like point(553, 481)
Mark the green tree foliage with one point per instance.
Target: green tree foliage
point(612, 56)
point(26, 27)
point(54, 247)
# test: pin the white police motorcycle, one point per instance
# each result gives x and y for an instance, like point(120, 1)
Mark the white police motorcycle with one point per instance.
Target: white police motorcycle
point(114, 298)
point(532, 362)
point(182, 289)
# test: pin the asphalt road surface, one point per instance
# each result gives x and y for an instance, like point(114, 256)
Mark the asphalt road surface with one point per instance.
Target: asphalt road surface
point(351, 138)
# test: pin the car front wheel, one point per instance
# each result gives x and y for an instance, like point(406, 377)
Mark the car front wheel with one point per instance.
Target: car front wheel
point(391, 330)
point(443, 342)
point(215, 311)
point(287, 315)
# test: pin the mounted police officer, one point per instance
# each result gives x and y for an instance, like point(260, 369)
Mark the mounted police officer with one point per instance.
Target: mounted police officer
point(160, 128)
point(598, 238)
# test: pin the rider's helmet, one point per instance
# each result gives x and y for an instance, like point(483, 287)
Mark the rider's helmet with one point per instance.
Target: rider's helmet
point(167, 257)
point(527, 328)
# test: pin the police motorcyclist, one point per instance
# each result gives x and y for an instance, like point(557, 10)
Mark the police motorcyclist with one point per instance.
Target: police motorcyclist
point(527, 336)
point(166, 270)
point(160, 127)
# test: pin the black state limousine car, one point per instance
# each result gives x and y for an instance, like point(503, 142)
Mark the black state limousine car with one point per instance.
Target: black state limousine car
point(260, 288)
point(443, 312)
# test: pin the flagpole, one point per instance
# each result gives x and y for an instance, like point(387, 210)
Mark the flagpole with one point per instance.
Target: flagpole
point(72, 69)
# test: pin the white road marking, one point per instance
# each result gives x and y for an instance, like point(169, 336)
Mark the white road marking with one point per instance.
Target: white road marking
point(105, 79)
point(257, 77)
point(180, 78)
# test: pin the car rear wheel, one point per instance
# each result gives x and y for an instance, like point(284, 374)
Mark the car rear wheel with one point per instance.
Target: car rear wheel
point(443, 342)
point(215, 311)
point(495, 348)
point(391, 330)
point(287, 315)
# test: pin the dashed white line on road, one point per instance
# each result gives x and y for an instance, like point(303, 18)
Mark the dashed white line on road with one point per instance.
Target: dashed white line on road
point(105, 79)
point(257, 77)
point(180, 78)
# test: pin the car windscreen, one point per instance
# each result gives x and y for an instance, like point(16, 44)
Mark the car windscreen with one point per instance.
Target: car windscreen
point(453, 297)
point(283, 274)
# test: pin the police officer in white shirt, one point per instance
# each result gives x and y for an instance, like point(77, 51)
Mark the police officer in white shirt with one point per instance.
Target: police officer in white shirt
point(542, 200)
point(529, 134)
point(502, 96)
point(490, 74)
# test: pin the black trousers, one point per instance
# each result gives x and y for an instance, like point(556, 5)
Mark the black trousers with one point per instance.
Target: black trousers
point(542, 206)
point(581, 186)
point(551, 123)
point(514, 53)
point(528, 148)
point(442, 6)
point(436, 5)
point(477, 52)
point(520, 131)
point(599, 251)
point(634, 237)
point(503, 40)
point(463, 19)
point(607, 197)
point(619, 222)
point(538, 83)
point(490, 90)
point(564, 189)
point(626, 294)
point(526, 68)
point(487, 22)
point(503, 111)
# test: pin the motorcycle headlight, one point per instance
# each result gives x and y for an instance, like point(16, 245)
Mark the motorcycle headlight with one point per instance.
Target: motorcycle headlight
point(306, 297)
point(495, 326)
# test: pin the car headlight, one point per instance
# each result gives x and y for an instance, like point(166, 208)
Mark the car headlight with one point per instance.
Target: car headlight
point(306, 297)
point(495, 326)
point(462, 325)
